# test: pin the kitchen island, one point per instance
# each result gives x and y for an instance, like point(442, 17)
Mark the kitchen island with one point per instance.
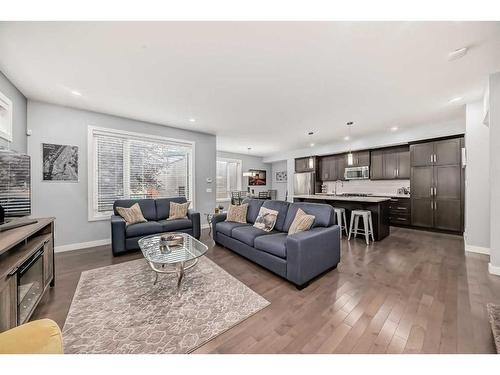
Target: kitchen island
point(379, 207)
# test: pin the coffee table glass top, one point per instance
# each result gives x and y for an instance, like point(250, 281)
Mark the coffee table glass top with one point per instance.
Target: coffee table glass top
point(189, 250)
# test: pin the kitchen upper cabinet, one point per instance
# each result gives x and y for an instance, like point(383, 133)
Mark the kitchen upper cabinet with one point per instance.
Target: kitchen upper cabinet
point(377, 165)
point(361, 159)
point(305, 164)
point(447, 152)
point(328, 168)
point(421, 154)
point(390, 164)
point(341, 166)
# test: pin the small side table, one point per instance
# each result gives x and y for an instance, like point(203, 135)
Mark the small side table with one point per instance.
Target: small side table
point(209, 217)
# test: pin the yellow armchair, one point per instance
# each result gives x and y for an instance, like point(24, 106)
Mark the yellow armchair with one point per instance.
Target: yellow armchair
point(38, 337)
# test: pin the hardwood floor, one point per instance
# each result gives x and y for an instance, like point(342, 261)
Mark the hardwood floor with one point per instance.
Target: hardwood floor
point(413, 292)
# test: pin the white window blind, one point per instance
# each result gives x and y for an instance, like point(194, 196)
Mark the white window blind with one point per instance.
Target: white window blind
point(130, 165)
point(228, 177)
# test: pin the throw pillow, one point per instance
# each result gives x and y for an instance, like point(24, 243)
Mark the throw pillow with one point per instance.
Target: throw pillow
point(178, 210)
point(301, 223)
point(237, 214)
point(266, 219)
point(131, 215)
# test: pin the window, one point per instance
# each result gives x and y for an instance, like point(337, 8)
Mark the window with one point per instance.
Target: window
point(228, 177)
point(129, 165)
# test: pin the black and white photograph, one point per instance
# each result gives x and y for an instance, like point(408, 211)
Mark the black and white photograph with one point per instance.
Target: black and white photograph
point(60, 162)
point(281, 176)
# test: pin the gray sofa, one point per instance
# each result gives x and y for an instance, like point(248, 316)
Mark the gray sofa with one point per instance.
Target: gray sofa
point(298, 257)
point(156, 212)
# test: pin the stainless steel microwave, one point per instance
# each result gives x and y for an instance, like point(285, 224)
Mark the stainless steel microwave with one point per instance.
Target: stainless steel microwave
point(357, 173)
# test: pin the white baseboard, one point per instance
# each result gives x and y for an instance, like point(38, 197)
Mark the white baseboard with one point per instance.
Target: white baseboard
point(494, 270)
point(477, 249)
point(81, 245)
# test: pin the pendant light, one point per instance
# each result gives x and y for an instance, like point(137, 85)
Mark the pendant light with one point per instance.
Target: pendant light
point(249, 173)
point(350, 159)
point(311, 159)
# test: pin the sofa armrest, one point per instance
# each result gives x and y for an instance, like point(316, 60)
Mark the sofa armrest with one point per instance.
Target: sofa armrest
point(37, 337)
point(312, 252)
point(195, 219)
point(217, 219)
point(118, 226)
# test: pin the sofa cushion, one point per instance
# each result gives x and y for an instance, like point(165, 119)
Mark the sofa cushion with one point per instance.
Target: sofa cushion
point(163, 206)
point(282, 208)
point(323, 214)
point(274, 244)
point(148, 206)
point(248, 234)
point(226, 227)
point(254, 206)
point(131, 215)
point(175, 224)
point(237, 214)
point(143, 229)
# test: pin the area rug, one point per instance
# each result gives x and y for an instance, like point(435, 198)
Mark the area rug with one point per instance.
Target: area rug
point(494, 316)
point(117, 309)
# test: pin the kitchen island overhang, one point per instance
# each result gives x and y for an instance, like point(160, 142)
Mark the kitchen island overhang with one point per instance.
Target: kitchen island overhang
point(378, 206)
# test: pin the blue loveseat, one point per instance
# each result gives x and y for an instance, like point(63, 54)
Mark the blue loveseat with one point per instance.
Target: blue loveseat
point(297, 257)
point(156, 212)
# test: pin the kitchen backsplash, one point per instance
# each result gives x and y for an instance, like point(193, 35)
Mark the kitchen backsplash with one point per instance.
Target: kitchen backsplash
point(367, 186)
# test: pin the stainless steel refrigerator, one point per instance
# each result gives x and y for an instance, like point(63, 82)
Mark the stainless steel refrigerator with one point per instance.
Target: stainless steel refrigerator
point(304, 183)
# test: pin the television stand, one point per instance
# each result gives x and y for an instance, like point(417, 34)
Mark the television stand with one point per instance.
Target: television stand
point(16, 223)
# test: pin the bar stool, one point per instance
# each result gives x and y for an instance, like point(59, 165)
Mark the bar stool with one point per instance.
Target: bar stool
point(367, 223)
point(341, 220)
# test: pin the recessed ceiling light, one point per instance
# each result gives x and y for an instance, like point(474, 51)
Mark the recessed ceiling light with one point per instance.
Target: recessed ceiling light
point(394, 128)
point(346, 138)
point(455, 100)
point(457, 54)
point(312, 145)
point(192, 120)
point(76, 93)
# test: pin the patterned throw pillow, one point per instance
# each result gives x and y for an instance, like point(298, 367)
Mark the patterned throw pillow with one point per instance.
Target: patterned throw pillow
point(131, 215)
point(301, 223)
point(237, 214)
point(266, 219)
point(178, 210)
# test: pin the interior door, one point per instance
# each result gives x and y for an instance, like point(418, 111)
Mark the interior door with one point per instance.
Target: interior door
point(377, 165)
point(390, 164)
point(421, 154)
point(447, 152)
point(422, 203)
point(447, 199)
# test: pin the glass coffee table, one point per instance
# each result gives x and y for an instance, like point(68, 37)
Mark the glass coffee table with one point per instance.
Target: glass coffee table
point(172, 259)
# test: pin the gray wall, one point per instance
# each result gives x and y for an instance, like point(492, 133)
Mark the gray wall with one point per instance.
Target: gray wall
point(68, 202)
point(494, 83)
point(250, 162)
point(18, 115)
point(477, 191)
point(281, 187)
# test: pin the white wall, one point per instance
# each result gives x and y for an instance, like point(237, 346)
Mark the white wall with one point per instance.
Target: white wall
point(494, 85)
point(68, 202)
point(250, 162)
point(18, 116)
point(280, 187)
point(477, 181)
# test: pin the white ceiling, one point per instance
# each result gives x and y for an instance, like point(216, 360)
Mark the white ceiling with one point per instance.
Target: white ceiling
point(257, 84)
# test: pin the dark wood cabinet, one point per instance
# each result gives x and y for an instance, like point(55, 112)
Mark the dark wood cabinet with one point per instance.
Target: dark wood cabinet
point(360, 159)
point(437, 185)
point(307, 164)
point(390, 164)
point(328, 168)
point(400, 211)
point(341, 166)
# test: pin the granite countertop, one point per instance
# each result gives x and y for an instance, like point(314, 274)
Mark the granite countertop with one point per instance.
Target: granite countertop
point(394, 195)
point(344, 198)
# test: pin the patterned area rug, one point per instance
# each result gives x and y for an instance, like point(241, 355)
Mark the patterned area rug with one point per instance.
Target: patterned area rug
point(494, 316)
point(117, 309)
